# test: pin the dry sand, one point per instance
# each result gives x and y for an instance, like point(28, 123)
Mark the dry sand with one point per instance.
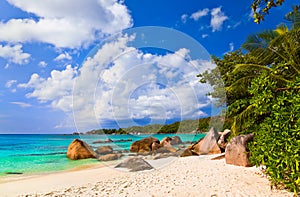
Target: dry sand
point(189, 176)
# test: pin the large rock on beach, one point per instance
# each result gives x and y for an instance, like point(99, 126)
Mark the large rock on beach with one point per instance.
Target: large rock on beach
point(222, 142)
point(207, 145)
point(103, 150)
point(135, 164)
point(143, 146)
point(109, 157)
point(78, 149)
point(236, 151)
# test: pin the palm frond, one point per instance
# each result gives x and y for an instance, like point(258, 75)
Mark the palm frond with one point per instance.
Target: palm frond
point(281, 29)
point(239, 121)
point(240, 86)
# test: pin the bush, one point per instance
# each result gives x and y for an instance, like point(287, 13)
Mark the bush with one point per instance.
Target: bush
point(277, 138)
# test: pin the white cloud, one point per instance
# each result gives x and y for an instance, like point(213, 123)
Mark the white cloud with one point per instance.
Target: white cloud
point(184, 18)
point(204, 35)
point(199, 14)
point(14, 54)
point(42, 64)
point(217, 19)
point(10, 83)
point(120, 83)
point(21, 104)
point(63, 56)
point(68, 23)
point(56, 89)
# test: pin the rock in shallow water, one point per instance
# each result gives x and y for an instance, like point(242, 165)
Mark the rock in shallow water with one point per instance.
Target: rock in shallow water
point(103, 150)
point(143, 146)
point(176, 140)
point(13, 172)
point(78, 149)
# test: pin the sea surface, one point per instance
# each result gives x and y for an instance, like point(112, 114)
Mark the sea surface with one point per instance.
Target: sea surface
point(30, 154)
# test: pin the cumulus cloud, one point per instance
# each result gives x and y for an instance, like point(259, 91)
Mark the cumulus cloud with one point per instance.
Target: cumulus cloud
point(56, 89)
point(63, 56)
point(68, 23)
point(14, 54)
point(199, 14)
point(121, 83)
point(217, 19)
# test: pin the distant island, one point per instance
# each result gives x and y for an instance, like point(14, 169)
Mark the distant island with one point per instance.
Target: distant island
point(186, 126)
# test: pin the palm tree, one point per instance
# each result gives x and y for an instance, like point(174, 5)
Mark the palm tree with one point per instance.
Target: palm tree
point(275, 52)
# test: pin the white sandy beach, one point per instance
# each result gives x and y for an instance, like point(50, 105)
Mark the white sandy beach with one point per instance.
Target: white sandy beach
point(188, 176)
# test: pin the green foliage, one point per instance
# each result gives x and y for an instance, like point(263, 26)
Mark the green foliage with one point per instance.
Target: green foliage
point(185, 126)
point(221, 77)
point(170, 128)
point(262, 87)
point(277, 138)
point(107, 131)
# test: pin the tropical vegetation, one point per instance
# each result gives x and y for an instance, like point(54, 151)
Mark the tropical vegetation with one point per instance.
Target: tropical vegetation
point(262, 84)
point(184, 126)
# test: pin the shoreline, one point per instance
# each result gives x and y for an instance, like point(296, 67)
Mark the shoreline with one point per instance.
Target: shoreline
point(16, 177)
point(188, 176)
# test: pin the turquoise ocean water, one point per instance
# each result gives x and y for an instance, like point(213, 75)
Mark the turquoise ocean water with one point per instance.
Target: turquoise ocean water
point(29, 154)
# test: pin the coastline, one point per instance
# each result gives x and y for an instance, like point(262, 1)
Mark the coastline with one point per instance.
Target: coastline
point(188, 176)
point(18, 177)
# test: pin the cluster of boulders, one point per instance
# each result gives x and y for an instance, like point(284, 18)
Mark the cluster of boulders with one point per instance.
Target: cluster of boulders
point(236, 151)
point(78, 149)
point(153, 146)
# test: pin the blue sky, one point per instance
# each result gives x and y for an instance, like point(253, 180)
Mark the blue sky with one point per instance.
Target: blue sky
point(51, 83)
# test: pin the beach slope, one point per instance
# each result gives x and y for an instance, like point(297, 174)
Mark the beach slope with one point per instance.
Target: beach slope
point(189, 176)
